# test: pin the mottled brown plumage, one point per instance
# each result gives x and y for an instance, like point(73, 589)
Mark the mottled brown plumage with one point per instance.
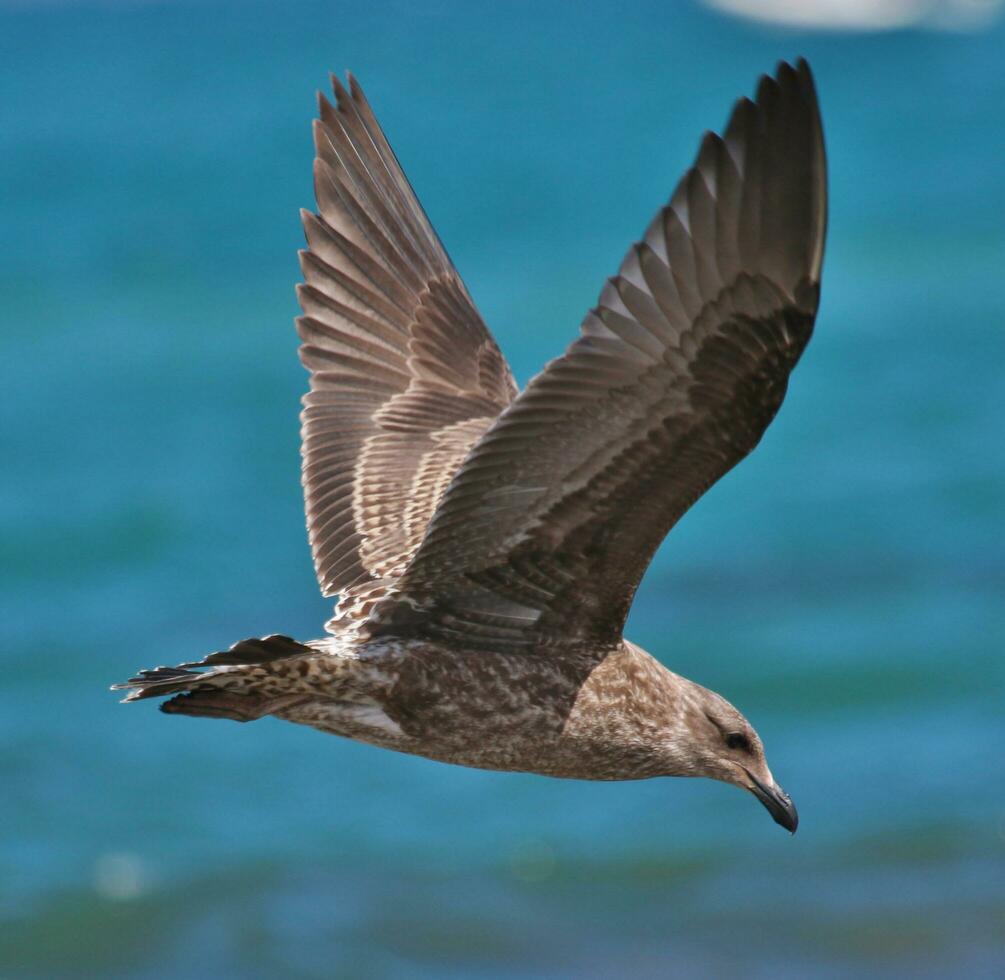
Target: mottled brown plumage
point(486, 544)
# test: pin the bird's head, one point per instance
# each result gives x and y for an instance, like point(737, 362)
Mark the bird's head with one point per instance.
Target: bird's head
point(722, 744)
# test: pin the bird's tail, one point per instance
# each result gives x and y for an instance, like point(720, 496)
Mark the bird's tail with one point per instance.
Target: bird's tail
point(208, 687)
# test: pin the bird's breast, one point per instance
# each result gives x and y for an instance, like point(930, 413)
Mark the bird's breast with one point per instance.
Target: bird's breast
point(567, 715)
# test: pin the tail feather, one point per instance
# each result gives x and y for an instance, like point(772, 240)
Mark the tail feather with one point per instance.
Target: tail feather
point(157, 682)
point(244, 653)
point(208, 703)
point(161, 681)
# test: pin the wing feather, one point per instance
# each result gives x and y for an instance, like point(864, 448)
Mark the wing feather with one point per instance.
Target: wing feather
point(544, 533)
point(404, 374)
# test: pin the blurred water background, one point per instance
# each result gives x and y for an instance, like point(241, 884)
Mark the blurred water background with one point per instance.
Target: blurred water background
point(843, 586)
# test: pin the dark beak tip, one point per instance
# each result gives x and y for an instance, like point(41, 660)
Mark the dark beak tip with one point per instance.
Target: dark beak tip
point(784, 814)
point(777, 803)
point(789, 818)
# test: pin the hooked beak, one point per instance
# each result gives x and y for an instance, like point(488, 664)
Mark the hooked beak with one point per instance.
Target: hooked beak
point(781, 808)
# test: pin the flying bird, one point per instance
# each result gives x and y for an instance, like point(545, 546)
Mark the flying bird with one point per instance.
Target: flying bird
point(486, 543)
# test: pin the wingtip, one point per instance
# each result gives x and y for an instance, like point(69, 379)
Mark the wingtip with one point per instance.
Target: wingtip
point(129, 686)
point(708, 150)
point(318, 128)
point(807, 83)
point(741, 118)
point(338, 87)
point(304, 257)
point(783, 67)
point(797, 74)
point(743, 106)
point(767, 89)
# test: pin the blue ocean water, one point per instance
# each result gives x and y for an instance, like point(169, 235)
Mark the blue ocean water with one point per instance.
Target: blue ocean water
point(843, 586)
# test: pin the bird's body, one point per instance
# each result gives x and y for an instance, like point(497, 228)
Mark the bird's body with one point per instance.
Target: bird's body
point(487, 543)
point(587, 714)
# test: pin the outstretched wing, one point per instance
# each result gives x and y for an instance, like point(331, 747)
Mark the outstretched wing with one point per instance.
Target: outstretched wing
point(405, 376)
point(546, 530)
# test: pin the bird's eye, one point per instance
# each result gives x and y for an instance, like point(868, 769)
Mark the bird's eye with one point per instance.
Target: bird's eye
point(737, 740)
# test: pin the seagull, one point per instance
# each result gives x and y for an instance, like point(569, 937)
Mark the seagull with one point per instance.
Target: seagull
point(486, 543)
